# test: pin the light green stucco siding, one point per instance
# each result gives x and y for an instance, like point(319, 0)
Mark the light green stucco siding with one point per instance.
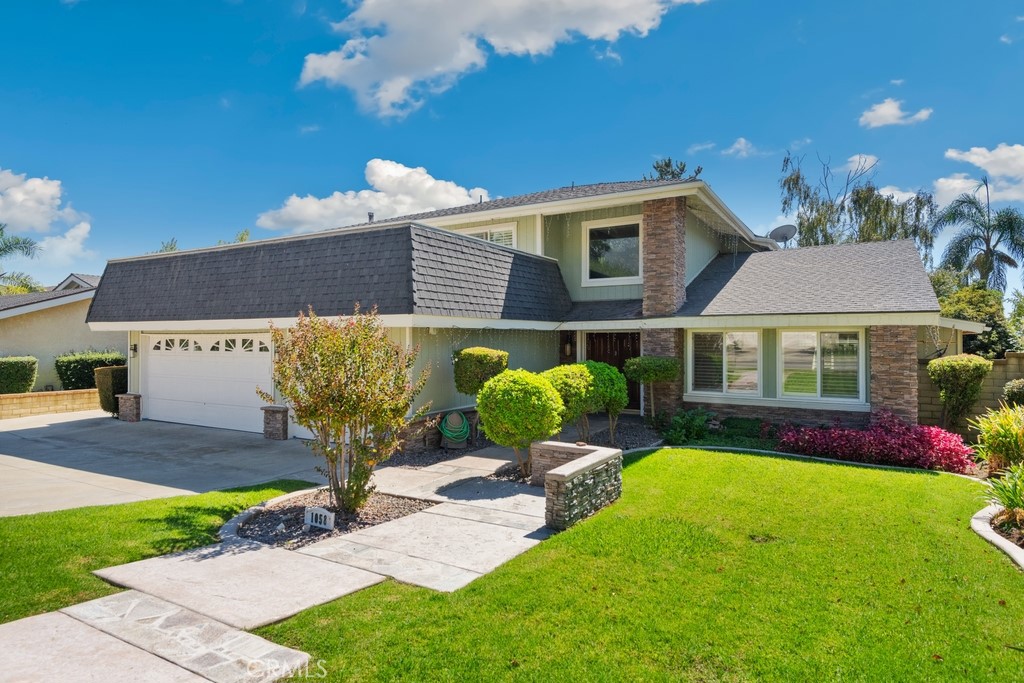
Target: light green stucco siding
point(528, 349)
point(526, 230)
point(702, 246)
point(563, 240)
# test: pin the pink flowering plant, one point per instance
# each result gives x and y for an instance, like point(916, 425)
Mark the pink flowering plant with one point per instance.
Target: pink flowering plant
point(888, 441)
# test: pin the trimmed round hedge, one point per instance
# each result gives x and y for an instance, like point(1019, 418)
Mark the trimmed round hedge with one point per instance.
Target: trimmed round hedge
point(575, 386)
point(518, 407)
point(18, 374)
point(110, 382)
point(475, 365)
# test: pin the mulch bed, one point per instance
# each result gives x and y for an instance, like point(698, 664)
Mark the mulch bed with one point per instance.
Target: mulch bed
point(281, 525)
point(627, 435)
point(1015, 536)
point(509, 472)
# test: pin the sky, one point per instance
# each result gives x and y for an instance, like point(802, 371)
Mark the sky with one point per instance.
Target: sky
point(124, 124)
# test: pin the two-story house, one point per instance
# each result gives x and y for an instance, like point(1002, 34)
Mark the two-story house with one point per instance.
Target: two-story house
point(603, 272)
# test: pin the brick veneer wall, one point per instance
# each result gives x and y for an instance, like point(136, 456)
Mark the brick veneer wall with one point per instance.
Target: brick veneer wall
point(668, 396)
point(46, 402)
point(778, 415)
point(1003, 370)
point(893, 383)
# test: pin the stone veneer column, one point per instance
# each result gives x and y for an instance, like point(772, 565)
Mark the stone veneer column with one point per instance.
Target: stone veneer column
point(275, 422)
point(129, 407)
point(893, 367)
point(664, 260)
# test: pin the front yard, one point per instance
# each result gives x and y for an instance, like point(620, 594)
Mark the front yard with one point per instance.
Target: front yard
point(712, 567)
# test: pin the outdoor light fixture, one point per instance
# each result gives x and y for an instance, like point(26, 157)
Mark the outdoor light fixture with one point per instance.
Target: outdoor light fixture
point(134, 349)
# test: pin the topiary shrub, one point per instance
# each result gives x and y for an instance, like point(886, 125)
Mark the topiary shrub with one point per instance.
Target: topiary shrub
point(1013, 392)
point(650, 369)
point(475, 365)
point(111, 381)
point(1001, 436)
point(518, 407)
point(18, 374)
point(610, 395)
point(959, 381)
point(75, 369)
point(575, 385)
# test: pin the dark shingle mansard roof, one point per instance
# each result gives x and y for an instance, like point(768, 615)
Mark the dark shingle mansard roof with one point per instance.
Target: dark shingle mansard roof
point(875, 277)
point(10, 301)
point(405, 269)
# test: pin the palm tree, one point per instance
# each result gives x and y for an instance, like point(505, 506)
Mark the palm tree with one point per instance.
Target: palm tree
point(12, 245)
point(987, 244)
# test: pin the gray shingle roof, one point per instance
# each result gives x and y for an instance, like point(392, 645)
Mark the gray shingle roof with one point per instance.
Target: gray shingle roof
point(92, 280)
point(874, 277)
point(402, 269)
point(9, 301)
point(555, 195)
point(624, 309)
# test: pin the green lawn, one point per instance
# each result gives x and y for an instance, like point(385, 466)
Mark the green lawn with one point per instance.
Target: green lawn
point(711, 567)
point(46, 559)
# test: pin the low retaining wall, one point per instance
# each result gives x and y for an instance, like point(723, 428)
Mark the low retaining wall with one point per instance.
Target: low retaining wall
point(46, 402)
point(577, 488)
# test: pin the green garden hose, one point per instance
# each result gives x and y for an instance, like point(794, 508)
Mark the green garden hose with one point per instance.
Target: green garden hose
point(457, 433)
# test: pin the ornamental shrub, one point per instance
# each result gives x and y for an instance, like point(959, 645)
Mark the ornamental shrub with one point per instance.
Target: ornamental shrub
point(889, 441)
point(1013, 392)
point(610, 395)
point(959, 381)
point(476, 365)
point(650, 369)
point(110, 382)
point(686, 426)
point(18, 374)
point(1001, 436)
point(1008, 491)
point(518, 407)
point(75, 369)
point(575, 386)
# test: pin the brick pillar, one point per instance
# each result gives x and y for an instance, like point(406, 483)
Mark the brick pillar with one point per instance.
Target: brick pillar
point(664, 289)
point(129, 407)
point(893, 367)
point(664, 255)
point(275, 422)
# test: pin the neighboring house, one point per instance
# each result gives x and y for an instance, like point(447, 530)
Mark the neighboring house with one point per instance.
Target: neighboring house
point(602, 272)
point(48, 324)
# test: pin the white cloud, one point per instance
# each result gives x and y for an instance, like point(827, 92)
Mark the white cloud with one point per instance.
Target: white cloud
point(311, 128)
point(698, 147)
point(608, 53)
point(859, 162)
point(31, 204)
point(62, 251)
point(889, 112)
point(897, 81)
point(397, 190)
point(1005, 39)
point(799, 144)
point(1004, 166)
point(896, 193)
point(742, 149)
point(397, 52)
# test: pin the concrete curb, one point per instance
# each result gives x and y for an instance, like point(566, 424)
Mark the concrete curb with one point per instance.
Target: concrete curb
point(981, 523)
point(229, 532)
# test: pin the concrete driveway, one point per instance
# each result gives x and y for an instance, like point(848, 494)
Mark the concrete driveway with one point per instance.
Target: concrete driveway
point(56, 462)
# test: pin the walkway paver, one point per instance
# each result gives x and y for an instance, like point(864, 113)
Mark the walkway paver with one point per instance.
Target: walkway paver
point(190, 640)
point(57, 647)
point(245, 585)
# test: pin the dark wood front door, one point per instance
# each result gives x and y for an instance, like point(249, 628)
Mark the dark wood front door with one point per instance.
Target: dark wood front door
point(614, 348)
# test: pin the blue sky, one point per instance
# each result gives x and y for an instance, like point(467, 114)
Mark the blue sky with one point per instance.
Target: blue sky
point(123, 124)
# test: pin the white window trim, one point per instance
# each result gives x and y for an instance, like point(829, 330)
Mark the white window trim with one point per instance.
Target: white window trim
point(724, 393)
point(585, 255)
point(513, 226)
point(819, 400)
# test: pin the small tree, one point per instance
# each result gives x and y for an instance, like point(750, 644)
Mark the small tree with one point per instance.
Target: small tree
point(610, 395)
point(517, 408)
point(575, 385)
point(650, 369)
point(352, 387)
point(959, 381)
point(476, 365)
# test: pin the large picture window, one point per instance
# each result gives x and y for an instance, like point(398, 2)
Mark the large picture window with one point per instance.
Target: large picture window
point(612, 252)
point(725, 362)
point(821, 364)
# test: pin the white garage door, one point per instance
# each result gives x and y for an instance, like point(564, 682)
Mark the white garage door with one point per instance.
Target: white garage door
point(206, 379)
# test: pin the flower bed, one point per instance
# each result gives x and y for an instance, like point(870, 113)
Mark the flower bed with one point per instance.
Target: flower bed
point(888, 441)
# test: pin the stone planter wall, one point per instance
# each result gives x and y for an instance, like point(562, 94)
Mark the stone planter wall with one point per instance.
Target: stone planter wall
point(576, 489)
point(46, 402)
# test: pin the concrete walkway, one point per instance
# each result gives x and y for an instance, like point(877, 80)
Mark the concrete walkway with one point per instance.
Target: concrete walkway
point(182, 616)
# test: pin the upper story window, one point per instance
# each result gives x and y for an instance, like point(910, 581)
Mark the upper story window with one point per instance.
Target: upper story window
point(504, 234)
point(821, 364)
point(612, 252)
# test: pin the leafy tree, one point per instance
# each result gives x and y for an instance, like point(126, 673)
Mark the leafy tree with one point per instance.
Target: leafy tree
point(836, 209)
point(650, 369)
point(13, 245)
point(1016, 319)
point(352, 386)
point(610, 395)
point(984, 306)
point(987, 244)
point(517, 408)
point(946, 282)
point(666, 169)
point(241, 236)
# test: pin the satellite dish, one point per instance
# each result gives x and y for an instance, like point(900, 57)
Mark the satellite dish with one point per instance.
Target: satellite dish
point(783, 234)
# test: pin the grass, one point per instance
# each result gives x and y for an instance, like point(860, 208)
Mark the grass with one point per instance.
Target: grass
point(46, 559)
point(711, 567)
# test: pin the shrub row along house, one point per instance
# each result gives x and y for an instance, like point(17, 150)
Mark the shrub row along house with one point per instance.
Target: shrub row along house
point(603, 272)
